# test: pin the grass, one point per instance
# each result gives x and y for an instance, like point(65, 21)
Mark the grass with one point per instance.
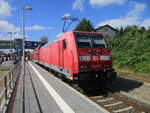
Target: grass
point(2, 72)
point(145, 77)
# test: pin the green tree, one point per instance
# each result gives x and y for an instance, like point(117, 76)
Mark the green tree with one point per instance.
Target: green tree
point(131, 50)
point(121, 31)
point(84, 25)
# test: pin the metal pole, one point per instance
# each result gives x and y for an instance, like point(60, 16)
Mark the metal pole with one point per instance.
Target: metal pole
point(23, 31)
point(10, 47)
point(11, 56)
point(10, 33)
point(5, 84)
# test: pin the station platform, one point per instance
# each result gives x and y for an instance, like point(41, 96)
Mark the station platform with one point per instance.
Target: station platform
point(40, 92)
point(6, 65)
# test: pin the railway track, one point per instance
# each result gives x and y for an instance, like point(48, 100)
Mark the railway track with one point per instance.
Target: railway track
point(116, 104)
point(112, 102)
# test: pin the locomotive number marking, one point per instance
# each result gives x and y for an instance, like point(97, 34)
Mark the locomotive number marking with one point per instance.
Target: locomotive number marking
point(95, 58)
point(84, 58)
point(104, 57)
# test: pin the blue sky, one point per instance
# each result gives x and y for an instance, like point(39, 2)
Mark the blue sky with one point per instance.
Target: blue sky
point(45, 18)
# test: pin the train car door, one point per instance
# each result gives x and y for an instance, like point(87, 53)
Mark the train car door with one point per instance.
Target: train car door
point(37, 54)
point(62, 46)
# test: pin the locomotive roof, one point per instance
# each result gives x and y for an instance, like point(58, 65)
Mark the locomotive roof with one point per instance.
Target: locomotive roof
point(55, 40)
point(76, 32)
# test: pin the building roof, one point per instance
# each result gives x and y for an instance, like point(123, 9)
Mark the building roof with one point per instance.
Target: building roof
point(100, 27)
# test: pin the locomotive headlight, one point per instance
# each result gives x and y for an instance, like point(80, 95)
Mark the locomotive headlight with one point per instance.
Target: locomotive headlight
point(84, 58)
point(102, 57)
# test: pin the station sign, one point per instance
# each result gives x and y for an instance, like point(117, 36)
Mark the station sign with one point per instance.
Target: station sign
point(7, 44)
point(31, 44)
point(17, 44)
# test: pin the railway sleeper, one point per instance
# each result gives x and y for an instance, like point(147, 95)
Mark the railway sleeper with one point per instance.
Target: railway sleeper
point(119, 106)
point(104, 100)
point(110, 102)
point(123, 109)
point(95, 97)
point(113, 104)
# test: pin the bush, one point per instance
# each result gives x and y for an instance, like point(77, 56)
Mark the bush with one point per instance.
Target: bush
point(131, 49)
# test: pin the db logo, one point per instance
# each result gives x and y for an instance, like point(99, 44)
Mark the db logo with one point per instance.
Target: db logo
point(29, 44)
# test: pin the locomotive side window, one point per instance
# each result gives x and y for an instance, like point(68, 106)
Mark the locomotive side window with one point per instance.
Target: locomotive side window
point(64, 44)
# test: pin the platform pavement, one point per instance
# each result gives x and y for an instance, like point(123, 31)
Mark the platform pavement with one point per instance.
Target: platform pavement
point(6, 65)
point(44, 93)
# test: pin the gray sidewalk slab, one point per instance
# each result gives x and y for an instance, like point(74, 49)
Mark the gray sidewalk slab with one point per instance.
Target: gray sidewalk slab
point(17, 108)
point(6, 65)
point(77, 102)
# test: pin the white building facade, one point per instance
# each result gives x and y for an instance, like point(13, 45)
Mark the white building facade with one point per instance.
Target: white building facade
point(107, 30)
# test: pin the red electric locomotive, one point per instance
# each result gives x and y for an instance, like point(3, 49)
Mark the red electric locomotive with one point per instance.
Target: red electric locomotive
point(80, 56)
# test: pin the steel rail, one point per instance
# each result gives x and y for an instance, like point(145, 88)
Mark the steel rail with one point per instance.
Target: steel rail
point(130, 103)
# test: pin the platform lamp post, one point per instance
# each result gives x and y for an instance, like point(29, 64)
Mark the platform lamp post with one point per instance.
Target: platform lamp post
point(23, 32)
point(11, 35)
point(11, 59)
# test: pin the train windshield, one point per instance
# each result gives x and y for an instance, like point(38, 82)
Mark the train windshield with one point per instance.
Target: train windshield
point(83, 42)
point(90, 41)
point(98, 42)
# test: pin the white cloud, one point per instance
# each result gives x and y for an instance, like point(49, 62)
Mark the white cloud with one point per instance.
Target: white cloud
point(78, 5)
point(5, 26)
point(131, 18)
point(7, 36)
point(37, 27)
point(66, 15)
point(5, 8)
point(2, 37)
point(117, 23)
point(146, 23)
point(58, 35)
point(48, 28)
point(105, 2)
point(17, 35)
point(137, 10)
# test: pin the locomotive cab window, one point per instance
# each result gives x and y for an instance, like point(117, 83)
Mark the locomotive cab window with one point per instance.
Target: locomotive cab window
point(98, 42)
point(64, 44)
point(90, 41)
point(83, 42)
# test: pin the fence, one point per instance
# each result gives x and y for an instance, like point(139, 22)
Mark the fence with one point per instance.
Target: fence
point(7, 84)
